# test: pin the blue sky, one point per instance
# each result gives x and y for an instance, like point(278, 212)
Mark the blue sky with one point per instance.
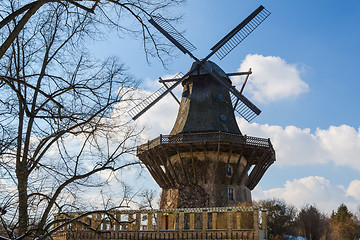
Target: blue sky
point(307, 53)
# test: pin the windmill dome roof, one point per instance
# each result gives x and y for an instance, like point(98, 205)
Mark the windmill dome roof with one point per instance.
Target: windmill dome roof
point(209, 64)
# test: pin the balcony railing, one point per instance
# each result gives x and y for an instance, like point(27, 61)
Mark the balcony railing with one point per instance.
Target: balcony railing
point(207, 137)
point(190, 223)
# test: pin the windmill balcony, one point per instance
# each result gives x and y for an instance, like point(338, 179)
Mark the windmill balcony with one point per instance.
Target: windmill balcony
point(157, 155)
point(207, 138)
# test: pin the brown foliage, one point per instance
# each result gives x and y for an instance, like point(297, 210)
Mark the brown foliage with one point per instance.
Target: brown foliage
point(344, 224)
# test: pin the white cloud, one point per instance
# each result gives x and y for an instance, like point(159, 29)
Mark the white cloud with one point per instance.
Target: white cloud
point(273, 78)
point(161, 117)
point(354, 189)
point(312, 190)
point(342, 144)
point(295, 146)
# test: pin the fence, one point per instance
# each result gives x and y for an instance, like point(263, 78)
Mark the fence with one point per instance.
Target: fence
point(190, 223)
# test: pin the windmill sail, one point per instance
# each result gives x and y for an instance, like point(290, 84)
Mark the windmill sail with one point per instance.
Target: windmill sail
point(148, 102)
point(239, 33)
point(172, 34)
point(242, 107)
point(241, 104)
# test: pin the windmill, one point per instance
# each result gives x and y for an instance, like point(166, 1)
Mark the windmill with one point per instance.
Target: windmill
point(205, 160)
point(243, 106)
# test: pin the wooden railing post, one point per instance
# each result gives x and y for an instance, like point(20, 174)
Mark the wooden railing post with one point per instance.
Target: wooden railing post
point(130, 220)
point(229, 223)
point(100, 221)
point(158, 223)
point(94, 221)
point(238, 220)
point(137, 221)
point(256, 224)
point(118, 219)
point(192, 221)
point(171, 223)
point(213, 220)
point(204, 222)
point(181, 222)
point(264, 222)
point(150, 221)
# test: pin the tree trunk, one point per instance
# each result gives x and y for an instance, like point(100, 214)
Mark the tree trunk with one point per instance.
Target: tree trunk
point(22, 177)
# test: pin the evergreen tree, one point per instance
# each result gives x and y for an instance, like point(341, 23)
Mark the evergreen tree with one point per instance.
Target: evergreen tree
point(311, 223)
point(344, 224)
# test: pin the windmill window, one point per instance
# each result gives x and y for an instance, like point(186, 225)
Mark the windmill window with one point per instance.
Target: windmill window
point(230, 194)
point(223, 117)
point(229, 171)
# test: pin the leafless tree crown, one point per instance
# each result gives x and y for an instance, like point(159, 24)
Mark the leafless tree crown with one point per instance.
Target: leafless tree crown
point(62, 112)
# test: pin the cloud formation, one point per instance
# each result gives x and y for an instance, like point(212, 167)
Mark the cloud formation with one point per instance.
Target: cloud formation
point(342, 143)
point(273, 79)
point(314, 190)
point(295, 146)
point(354, 189)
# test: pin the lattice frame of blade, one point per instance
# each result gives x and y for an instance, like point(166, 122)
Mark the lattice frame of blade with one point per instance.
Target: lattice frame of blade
point(139, 107)
point(142, 105)
point(242, 109)
point(242, 34)
point(245, 112)
point(161, 21)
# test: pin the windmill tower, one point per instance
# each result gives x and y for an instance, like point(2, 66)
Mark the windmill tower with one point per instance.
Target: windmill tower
point(206, 161)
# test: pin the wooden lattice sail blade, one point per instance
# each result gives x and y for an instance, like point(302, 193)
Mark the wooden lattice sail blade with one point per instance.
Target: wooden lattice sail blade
point(172, 34)
point(142, 105)
point(148, 102)
point(239, 33)
point(244, 106)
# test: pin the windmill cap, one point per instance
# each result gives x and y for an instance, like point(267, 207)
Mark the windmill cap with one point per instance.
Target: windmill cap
point(210, 65)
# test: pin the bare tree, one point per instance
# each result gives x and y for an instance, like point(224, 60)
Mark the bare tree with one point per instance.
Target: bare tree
point(17, 13)
point(148, 198)
point(62, 118)
point(280, 218)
